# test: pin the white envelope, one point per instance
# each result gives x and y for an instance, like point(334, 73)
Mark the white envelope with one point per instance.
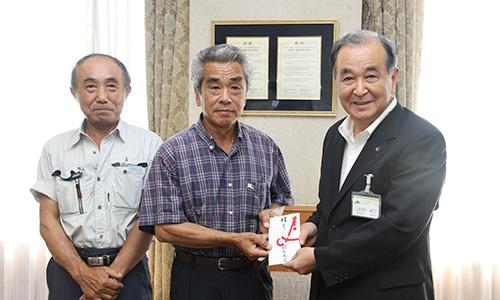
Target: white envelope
point(284, 232)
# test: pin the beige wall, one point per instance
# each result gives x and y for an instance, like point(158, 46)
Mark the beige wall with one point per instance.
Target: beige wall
point(300, 138)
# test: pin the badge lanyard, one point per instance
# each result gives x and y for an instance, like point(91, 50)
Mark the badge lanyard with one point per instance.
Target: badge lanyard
point(366, 204)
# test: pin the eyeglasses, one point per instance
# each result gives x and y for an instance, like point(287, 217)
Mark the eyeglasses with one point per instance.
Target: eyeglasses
point(72, 175)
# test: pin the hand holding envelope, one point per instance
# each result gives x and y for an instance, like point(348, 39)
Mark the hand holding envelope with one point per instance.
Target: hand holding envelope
point(284, 232)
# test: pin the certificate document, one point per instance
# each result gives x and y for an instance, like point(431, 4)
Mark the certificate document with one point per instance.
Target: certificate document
point(299, 68)
point(257, 51)
point(284, 232)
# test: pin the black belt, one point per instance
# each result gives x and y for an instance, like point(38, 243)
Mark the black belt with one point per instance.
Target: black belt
point(94, 257)
point(221, 263)
point(100, 260)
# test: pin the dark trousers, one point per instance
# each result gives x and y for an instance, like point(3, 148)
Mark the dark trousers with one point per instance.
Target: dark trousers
point(193, 282)
point(137, 285)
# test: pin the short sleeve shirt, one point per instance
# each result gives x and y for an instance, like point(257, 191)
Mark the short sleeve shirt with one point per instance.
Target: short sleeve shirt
point(111, 183)
point(193, 180)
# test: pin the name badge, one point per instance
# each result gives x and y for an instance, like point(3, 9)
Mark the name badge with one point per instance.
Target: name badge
point(366, 204)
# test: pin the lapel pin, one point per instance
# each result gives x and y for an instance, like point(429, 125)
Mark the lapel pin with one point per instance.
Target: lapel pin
point(377, 149)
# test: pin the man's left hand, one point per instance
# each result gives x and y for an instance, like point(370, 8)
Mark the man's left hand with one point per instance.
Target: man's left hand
point(303, 262)
point(266, 214)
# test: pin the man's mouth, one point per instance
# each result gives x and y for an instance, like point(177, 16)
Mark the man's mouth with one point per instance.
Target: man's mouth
point(224, 111)
point(362, 102)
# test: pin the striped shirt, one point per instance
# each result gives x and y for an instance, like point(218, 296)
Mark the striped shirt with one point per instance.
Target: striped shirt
point(192, 180)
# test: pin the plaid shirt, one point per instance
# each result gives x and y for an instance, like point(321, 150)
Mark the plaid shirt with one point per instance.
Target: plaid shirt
point(193, 180)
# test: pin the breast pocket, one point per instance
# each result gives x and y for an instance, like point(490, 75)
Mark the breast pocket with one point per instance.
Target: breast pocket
point(127, 185)
point(255, 197)
point(66, 194)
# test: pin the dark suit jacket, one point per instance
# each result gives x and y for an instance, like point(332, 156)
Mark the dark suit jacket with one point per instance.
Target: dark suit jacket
point(387, 258)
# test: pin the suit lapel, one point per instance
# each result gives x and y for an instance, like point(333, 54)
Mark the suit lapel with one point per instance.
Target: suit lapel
point(375, 147)
point(331, 172)
point(371, 152)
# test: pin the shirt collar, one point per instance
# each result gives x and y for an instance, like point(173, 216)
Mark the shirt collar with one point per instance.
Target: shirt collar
point(202, 131)
point(346, 128)
point(121, 130)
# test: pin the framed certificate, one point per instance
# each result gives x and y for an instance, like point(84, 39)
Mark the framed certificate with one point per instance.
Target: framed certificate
point(257, 51)
point(290, 64)
point(298, 74)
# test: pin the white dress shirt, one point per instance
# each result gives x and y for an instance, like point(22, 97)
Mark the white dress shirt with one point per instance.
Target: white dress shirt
point(354, 144)
point(111, 182)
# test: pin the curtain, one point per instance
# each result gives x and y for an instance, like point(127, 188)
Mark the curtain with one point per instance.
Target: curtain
point(401, 21)
point(475, 281)
point(167, 65)
point(22, 269)
point(464, 235)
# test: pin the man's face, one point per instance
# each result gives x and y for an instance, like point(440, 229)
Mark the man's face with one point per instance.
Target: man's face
point(365, 85)
point(222, 96)
point(100, 91)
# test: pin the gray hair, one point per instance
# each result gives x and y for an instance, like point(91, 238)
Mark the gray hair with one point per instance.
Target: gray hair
point(123, 69)
point(360, 38)
point(221, 53)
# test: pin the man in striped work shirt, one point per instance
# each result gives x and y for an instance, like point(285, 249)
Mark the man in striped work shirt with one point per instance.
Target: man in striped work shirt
point(212, 188)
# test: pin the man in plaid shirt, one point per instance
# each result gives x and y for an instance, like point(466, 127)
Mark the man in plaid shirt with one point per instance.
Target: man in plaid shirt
point(212, 188)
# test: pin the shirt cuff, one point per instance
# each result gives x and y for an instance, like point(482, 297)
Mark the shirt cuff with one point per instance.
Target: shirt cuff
point(42, 187)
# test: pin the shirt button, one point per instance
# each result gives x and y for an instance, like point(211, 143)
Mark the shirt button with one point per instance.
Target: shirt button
point(332, 228)
point(94, 152)
point(98, 178)
point(230, 184)
point(100, 236)
point(230, 212)
point(211, 147)
point(99, 207)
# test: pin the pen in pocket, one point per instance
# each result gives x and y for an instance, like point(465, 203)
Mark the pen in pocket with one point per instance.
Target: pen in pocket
point(130, 165)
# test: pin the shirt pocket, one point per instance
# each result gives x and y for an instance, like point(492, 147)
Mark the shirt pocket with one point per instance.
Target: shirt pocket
point(66, 193)
point(255, 197)
point(127, 184)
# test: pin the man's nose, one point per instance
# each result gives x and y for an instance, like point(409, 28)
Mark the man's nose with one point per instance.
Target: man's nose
point(360, 87)
point(101, 95)
point(224, 97)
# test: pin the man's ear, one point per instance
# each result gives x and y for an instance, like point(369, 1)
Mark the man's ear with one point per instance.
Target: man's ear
point(197, 97)
point(127, 92)
point(74, 93)
point(394, 79)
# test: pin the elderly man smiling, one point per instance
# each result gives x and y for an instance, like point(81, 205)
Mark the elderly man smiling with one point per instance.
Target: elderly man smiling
point(381, 176)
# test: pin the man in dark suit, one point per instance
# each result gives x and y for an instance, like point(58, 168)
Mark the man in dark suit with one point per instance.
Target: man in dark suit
point(381, 176)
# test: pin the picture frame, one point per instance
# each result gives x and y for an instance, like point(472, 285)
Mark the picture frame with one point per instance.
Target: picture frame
point(290, 62)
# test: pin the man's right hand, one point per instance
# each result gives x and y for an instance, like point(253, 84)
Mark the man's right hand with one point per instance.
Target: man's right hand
point(308, 234)
point(253, 245)
point(96, 283)
point(100, 283)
